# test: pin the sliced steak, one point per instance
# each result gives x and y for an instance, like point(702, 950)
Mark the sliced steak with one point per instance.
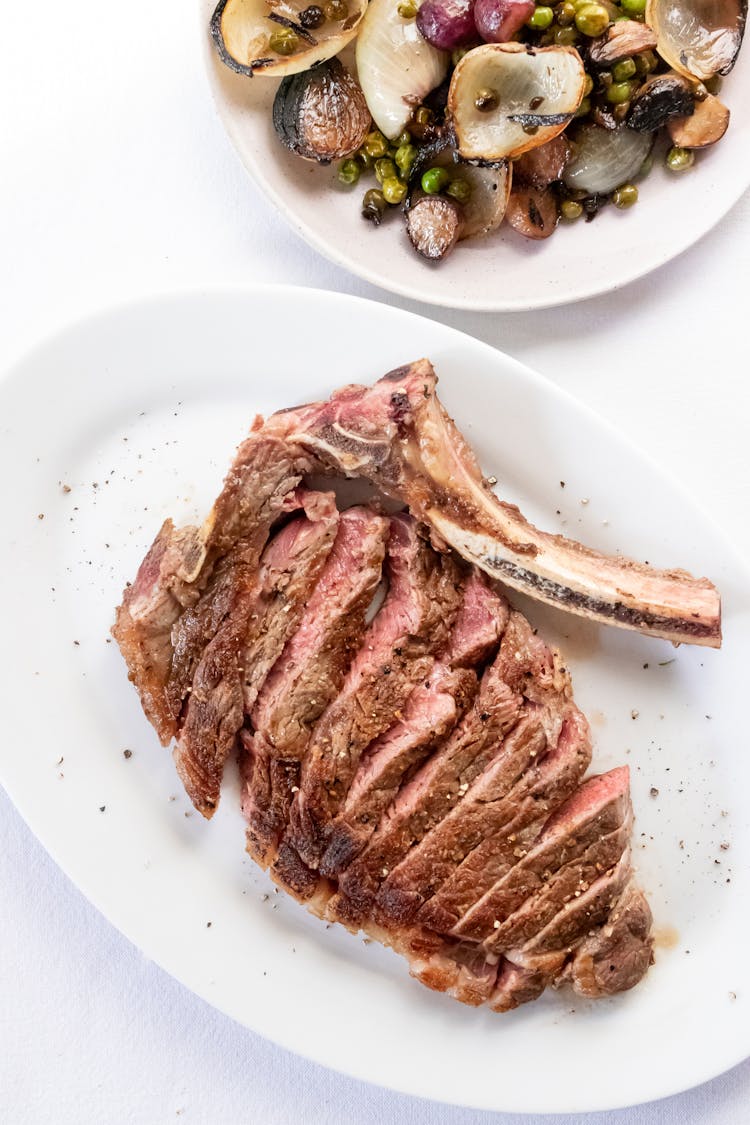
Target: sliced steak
point(237, 658)
point(434, 790)
point(308, 675)
point(397, 434)
point(511, 825)
point(617, 955)
point(515, 986)
point(397, 652)
point(431, 711)
point(433, 708)
point(290, 567)
point(600, 806)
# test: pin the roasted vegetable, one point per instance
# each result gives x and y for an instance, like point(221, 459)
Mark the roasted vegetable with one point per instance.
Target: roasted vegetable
point(605, 158)
point(707, 125)
point(433, 224)
point(532, 211)
point(242, 31)
point(661, 97)
point(698, 38)
point(321, 114)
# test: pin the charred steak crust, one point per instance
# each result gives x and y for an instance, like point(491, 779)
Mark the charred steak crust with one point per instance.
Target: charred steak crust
point(419, 777)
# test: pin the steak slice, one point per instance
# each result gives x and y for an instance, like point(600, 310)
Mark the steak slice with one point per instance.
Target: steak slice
point(599, 807)
point(397, 434)
point(509, 825)
point(307, 676)
point(397, 652)
point(290, 567)
point(237, 658)
point(431, 711)
point(617, 955)
point(433, 708)
point(433, 791)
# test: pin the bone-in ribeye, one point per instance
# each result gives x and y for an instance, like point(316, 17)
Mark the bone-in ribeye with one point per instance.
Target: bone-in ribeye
point(412, 765)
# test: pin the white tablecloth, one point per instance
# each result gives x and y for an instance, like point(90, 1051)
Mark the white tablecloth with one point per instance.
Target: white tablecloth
point(116, 179)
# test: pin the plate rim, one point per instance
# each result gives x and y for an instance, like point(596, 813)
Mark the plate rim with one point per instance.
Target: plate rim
point(361, 269)
point(168, 295)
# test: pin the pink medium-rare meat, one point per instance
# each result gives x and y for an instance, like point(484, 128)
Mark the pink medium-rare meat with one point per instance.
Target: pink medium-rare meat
point(397, 652)
point(509, 825)
point(432, 792)
point(597, 808)
point(251, 636)
point(161, 627)
point(397, 434)
point(307, 676)
point(432, 709)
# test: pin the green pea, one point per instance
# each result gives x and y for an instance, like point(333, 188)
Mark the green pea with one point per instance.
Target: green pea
point(633, 7)
point(588, 85)
point(571, 210)
point(623, 70)
point(646, 62)
point(405, 156)
point(384, 170)
point(566, 36)
point(680, 159)
point(584, 107)
point(407, 10)
point(619, 93)
point(394, 190)
point(434, 180)
point(592, 20)
point(283, 41)
point(375, 144)
point(423, 116)
point(625, 196)
point(540, 19)
point(566, 13)
point(373, 206)
point(349, 171)
point(460, 190)
point(403, 139)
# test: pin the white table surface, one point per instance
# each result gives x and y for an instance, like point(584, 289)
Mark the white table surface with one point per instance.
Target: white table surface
point(116, 179)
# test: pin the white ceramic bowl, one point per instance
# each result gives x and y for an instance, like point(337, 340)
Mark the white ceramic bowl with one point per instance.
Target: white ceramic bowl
point(504, 271)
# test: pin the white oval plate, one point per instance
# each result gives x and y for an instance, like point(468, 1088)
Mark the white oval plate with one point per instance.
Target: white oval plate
point(137, 412)
point(504, 271)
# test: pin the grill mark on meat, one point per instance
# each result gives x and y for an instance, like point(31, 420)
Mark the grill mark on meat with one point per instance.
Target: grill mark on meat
point(255, 627)
point(308, 675)
point(423, 461)
point(413, 622)
point(511, 826)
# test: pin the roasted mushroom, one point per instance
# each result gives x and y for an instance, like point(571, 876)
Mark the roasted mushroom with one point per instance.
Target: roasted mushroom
point(396, 67)
point(622, 40)
point(659, 98)
point(507, 98)
point(603, 159)
point(706, 126)
point(434, 224)
point(264, 37)
point(698, 38)
point(321, 114)
point(532, 211)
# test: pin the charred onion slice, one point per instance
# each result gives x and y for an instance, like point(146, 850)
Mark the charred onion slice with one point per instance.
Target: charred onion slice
point(707, 125)
point(484, 211)
point(240, 30)
point(396, 67)
point(535, 93)
point(698, 38)
point(661, 97)
point(603, 159)
point(321, 114)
